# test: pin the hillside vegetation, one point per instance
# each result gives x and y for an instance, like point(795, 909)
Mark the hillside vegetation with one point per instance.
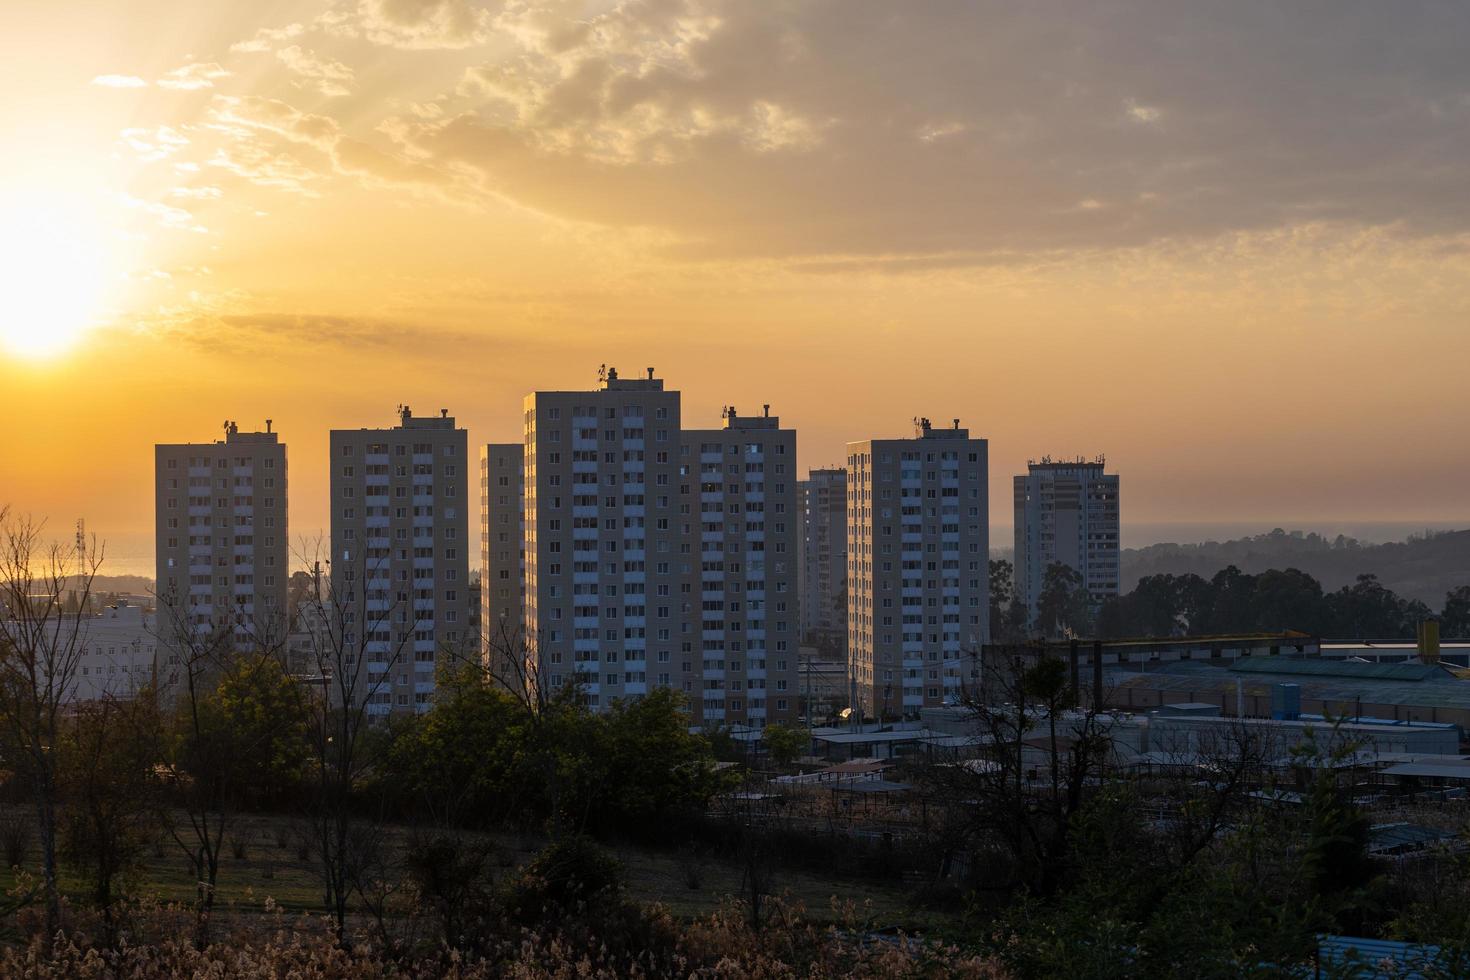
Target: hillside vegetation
point(1423, 568)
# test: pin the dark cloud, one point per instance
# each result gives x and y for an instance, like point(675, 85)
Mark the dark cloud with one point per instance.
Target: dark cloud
point(864, 127)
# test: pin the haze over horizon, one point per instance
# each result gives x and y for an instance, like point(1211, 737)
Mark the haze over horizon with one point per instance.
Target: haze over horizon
point(1223, 244)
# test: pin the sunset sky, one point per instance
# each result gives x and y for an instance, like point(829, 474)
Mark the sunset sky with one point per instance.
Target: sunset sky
point(1225, 243)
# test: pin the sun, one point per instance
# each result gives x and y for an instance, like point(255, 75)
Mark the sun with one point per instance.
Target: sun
point(52, 269)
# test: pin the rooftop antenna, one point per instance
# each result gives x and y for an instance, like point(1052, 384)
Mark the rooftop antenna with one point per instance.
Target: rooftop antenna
point(602, 372)
point(82, 540)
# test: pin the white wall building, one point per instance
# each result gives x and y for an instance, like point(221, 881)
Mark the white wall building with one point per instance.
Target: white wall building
point(1067, 512)
point(739, 502)
point(119, 654)
point(918, 573)
point(400, 553)
point(221, 537)
point(824, 556)
point(502, 549)
point(649, 562)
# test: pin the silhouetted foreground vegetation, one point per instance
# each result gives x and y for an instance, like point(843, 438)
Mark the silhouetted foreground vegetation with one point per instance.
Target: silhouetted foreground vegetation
point(1046, 854)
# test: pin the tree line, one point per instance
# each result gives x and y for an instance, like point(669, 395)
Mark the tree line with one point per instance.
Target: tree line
point(1230, 601)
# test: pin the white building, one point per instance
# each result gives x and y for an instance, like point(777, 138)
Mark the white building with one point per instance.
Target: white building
point(400, 553)
point(116, 651)
point(824, 556)
point(221, 537)
point(918, 573)
point(742, 479)
point(633, 532)
point(502, 549)
point(1067, 512)
point(118, 654)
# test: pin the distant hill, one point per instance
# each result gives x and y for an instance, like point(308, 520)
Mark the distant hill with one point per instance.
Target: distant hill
point(1423, 567)
point(131, 584)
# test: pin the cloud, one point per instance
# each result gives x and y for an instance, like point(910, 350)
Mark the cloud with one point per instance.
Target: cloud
point(413, 24)
point(253, 122)
point(963, 127)
point(167, 216)
point(267, 37)
point(195, 76)
point(119, 81)
point(205, 325)
point(330, 78)
point(265, 166)
point(205, 193)
point(255, 112)
point(153, 144)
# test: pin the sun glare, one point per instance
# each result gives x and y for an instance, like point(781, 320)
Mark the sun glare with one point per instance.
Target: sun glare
point(52, 259)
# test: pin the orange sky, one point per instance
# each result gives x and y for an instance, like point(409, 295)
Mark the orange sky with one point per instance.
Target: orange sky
point(1226, 245)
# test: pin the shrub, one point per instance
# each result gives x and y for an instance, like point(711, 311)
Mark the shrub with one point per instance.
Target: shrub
point(564, 875)
point(15, 838)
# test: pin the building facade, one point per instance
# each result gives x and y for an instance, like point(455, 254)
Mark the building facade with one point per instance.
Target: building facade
point(502, 551)
point(1067, 512)
point(824, 558)
point(221, 538)
point(118, 654)
point(400, 555)
point(603, 567)
point(740, 526)
point(655, 557)
point(918, 541)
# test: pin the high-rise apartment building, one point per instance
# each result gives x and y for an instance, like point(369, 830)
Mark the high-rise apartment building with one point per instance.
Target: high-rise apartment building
point(645, 569)
point(502, 551)
point(740, 524)
point(1067, 512)
point(221, 538)
point(918, 579)
point(606, 582)
point(824, 557)
point(400, 554)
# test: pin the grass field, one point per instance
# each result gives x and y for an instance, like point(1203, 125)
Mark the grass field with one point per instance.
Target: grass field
point(272, 863)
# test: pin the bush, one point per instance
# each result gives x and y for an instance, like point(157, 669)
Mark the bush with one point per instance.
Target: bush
point(15, 838)
point(569, 873)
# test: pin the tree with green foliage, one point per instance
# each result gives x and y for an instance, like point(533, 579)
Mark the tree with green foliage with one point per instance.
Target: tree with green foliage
point(647, 764)
point(456, 763)
point(1064, 606)
point(784, 745)
point(1007, 612)
point(259, 705)
point(1366, 609)
point(1454, 619)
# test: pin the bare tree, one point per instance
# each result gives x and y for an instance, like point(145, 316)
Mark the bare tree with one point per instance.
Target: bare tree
point(365, 625)
point(203, 759)
point(1043, 752)
point(107, 763)
point(45, 591)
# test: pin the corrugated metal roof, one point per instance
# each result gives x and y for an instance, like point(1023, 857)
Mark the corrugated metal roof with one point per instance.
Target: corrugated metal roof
point(1193, 680)
point(1386, 837)
point(1340, 668)
point(1430, 770)
point(1378, 958)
